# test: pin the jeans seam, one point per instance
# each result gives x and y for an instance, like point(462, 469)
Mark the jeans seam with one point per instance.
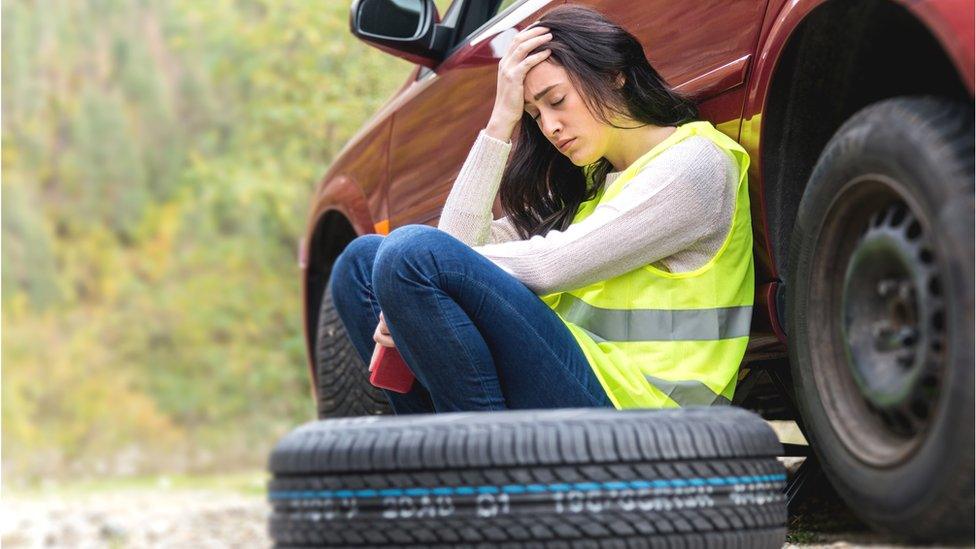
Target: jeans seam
point(457, 337)
point(547, 346)
point(374, 304)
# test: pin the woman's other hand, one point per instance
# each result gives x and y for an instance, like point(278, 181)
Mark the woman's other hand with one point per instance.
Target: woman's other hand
point(382, 334)
point(512, 68)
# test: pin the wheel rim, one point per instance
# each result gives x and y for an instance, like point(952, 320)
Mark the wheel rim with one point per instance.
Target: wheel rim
point(881, 367)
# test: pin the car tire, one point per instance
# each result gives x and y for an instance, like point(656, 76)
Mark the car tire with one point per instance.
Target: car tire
point(342, 378)
point(879, 315)
point(694, 477)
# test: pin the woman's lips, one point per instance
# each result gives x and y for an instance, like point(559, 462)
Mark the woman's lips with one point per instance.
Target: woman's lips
point(565, 146)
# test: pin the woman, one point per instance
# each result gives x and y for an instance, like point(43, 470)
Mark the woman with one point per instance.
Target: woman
point(622, 276)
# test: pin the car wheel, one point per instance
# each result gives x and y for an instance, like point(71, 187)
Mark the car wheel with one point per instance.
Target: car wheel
point(705, 477)
point(342, 377)
point(879, 315)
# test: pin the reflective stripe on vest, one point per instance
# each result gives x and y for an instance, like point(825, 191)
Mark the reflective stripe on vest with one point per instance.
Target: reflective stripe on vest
point(656, 324)
point(661, 339)
point(687, 393)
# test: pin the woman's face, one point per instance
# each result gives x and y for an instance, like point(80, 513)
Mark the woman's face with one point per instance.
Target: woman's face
point(560, 114)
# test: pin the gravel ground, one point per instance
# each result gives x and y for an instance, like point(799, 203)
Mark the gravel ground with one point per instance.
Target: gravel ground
point(144, 518)
point(232, 512)
point(207, 518)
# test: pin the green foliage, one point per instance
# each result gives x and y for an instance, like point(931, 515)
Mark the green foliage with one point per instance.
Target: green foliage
point(158, 158)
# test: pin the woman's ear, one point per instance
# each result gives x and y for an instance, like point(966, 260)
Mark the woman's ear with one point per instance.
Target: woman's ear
point(620, 80)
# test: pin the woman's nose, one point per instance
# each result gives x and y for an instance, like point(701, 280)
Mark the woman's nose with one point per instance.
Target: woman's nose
point(550, 127)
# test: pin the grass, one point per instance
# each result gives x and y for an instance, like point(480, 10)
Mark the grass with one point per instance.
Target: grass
point(802, 536)
point(822, 516)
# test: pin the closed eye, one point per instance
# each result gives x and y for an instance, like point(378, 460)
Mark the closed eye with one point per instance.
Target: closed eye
point(536, 117)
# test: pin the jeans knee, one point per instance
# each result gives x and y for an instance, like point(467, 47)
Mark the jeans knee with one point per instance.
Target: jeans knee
point(408, 246)
point(412, 234)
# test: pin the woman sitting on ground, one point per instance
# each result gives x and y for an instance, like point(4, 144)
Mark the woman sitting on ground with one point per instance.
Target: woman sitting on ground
point(622, 275)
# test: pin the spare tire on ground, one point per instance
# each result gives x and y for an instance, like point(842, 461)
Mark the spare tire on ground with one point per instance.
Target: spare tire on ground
point(694, 477)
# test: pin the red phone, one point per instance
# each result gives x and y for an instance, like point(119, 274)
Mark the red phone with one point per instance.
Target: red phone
point(389, 371)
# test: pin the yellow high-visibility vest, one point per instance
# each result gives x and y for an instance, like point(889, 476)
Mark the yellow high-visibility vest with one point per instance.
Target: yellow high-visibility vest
point(659, 339)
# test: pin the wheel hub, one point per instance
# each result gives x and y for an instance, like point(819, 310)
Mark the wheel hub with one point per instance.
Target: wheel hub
point(890, 307)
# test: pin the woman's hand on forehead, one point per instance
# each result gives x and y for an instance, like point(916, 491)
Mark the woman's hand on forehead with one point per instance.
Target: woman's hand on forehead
point(512, 68)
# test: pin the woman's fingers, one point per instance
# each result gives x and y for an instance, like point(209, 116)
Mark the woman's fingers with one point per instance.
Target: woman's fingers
point(527, 33)
point(524, 36)
point(530, 45)
point(533, 60)
point(383, 339)
point(382, 334)
point(520, 51)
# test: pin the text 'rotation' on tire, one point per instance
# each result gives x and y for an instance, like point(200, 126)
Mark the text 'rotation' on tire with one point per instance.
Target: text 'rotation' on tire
point(342, 386)
point(880, 315)
point(694, 477)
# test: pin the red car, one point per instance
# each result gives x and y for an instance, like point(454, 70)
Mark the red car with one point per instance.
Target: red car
point(858, 116)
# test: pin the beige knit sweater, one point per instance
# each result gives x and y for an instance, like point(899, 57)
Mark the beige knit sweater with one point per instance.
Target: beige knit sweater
point(674, 214)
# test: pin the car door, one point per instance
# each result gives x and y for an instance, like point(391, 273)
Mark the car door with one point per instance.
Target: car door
point(702, 47)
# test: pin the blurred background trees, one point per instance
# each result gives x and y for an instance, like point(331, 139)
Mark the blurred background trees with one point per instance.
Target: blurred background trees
point(158, 157)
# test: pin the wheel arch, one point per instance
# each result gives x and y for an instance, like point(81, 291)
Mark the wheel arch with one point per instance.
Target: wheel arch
point(838, 58)
point(341, 212)
point(332, 233)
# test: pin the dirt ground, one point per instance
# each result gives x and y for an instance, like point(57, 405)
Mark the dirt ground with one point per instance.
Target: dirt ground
point(822, 519)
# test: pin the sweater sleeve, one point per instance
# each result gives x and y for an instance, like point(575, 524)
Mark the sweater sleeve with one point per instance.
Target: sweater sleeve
point(674, 202)
point(467, 213)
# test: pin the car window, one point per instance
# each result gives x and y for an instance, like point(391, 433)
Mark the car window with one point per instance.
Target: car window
point(442, 6)
point(477, 14)
point(502, 18)
point(505, 4)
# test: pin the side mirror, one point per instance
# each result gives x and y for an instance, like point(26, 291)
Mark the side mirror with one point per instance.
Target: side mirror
point(404, 28)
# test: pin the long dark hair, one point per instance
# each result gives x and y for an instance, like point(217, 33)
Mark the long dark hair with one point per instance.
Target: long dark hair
point(541, 189)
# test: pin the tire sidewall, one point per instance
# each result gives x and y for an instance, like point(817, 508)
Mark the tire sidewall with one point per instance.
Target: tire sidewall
point(372, 400)
point(871, 142)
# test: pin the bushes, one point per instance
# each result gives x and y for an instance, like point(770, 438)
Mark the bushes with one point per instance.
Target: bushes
point(157, 162)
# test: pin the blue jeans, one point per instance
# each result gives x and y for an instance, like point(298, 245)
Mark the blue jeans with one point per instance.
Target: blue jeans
point(474, 336)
